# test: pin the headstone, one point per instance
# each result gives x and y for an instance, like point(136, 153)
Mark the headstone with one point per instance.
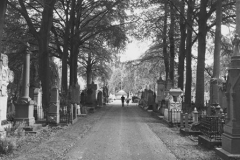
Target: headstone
point(75, 100)
point(91, 93)
point(231, 136)
point(6, 76)
point(38, 103)
point(78, 110)
point(150, 101)
point(82, 99)
point(75, 94)
point(160, 90)
point(25, 106)
point(54, 106)
point(100, 98)
point(105, 95)
point(174, 104)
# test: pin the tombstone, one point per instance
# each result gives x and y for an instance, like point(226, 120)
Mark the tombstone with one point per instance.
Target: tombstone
point(78, 110)
point(37, 97)
point(75, 94)
point(100, 98)
point(231, 136)
point(75, 100)
point(150, 100)
point(174, 103)
point(54, 106)
point(6, 76)
point(82, 99)
point(160, 90)
point(25, 106)
point(105, 95)
point(91, 93)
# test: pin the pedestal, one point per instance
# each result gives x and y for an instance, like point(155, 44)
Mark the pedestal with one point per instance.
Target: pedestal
point(24, 112)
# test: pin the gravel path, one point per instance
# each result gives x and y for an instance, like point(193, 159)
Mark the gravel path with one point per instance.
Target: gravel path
point(121, 135)
point(112, 132)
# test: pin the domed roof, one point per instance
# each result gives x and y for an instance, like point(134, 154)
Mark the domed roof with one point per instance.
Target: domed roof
point(121, 92)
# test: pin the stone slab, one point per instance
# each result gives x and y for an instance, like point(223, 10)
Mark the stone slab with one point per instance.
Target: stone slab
point(188, 132)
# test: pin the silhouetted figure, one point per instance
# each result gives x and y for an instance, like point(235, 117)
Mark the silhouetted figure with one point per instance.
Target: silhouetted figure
point(123, 99)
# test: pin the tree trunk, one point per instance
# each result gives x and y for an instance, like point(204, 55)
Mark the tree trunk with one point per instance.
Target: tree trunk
point(3, 7)
point(201, 54)
point(73, 64)
point(74, 43)
point(181, 57)
point(74, 46)
point(214, 92)
point(65, 54)
point(89, 74)
point(172, 46)
point(188, 84)
point(165, 54)
point(89, 69)
point(47, 16)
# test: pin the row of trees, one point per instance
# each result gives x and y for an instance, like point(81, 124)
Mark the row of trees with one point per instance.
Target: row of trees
point(84, 34)
point(183, 31)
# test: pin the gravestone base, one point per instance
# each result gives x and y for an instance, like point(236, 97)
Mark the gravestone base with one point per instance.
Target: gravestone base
point(24, 112)
point(226, 155)
point(83, 111)
point(230, 148)
point(53, 118)
point(3, 107)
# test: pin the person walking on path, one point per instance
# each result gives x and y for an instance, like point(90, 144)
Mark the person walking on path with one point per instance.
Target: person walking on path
point(123, 99)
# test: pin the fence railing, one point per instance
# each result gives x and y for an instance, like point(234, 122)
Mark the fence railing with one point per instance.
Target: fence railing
point(65, 114)
point(174, 116)
point(212, 127)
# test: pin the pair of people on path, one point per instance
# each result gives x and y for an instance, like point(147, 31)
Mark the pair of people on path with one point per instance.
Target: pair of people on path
point(123, 99)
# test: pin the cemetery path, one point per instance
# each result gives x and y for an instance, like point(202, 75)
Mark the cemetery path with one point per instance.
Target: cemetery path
point(122, 133)
point(112, 132)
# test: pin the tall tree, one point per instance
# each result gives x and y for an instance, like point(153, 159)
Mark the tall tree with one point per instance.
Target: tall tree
point(181, 57)
point(3, 7)
point(172, 43)
point(68, 22)
point(188, 84)
point(202, 32)
point(42, 35)
point(165, 53)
